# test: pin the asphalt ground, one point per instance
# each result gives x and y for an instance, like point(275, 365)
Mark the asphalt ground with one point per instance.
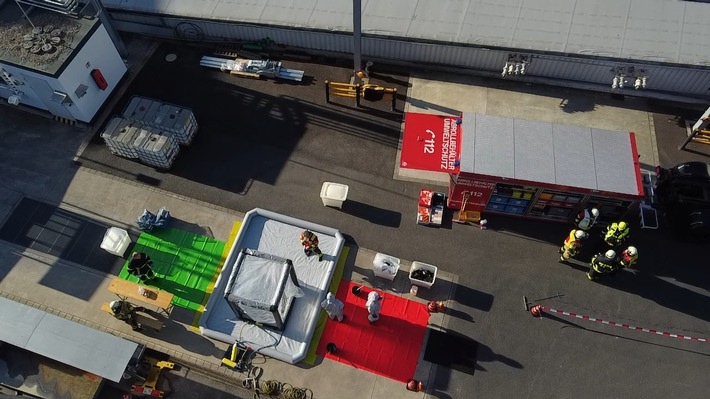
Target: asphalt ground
point(517, 355)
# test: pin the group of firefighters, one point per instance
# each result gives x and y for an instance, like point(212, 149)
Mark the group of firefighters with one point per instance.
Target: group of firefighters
point(606, 262)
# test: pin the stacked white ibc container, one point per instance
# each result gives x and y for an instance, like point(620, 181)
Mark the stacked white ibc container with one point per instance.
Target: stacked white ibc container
point(120, 135)
point(139, 107)
point(177, 120)
point(172, 119)
point(158, 150)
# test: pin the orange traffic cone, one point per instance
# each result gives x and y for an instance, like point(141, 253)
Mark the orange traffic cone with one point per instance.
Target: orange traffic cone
point(440, 306)
point(432, 307)
point(536, 311)
point(414, 385)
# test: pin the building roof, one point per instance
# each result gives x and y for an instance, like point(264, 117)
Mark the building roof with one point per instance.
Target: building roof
point(564, 155)
point(656, 30)
point(65, 341)
point(17, 31)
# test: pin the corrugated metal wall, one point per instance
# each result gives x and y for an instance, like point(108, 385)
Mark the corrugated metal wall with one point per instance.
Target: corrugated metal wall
point(661, 78)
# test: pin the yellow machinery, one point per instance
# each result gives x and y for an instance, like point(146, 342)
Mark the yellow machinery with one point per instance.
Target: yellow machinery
point(237, 357)
point(699, 132)
point(368, 92)
point(148, 387)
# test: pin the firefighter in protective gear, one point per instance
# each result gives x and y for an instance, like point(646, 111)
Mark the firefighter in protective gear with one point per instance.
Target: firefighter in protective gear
point(125, 311)
point(333, 306)
point(616, 233)
point(629, 257)
point(572, 245)
point(602, 264)
point(586, 219)
point(373, 305)
point(309, 240)
point(141, 266)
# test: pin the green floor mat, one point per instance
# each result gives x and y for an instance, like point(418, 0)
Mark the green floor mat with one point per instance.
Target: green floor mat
point(183, 262)
point(334, 283)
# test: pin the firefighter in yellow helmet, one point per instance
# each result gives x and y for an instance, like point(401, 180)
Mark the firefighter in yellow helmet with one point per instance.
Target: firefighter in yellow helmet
point(573, 244)
point(616, 233)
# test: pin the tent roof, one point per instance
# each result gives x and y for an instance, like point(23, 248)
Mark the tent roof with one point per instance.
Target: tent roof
point(563, 155)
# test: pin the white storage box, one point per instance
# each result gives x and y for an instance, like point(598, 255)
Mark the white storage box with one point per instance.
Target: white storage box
point(385, 266)
point(334, 194)
point(116, 241)
point(422, 266)
point(175, 120)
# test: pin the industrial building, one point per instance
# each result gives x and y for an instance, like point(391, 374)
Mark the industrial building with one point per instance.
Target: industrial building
point(649, 48)
point(60, 59)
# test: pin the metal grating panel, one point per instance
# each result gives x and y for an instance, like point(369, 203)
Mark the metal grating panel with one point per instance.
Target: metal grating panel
point(468, 139)
point(534, 155)
point(614, 164)
point(63, 340)
point(574, 156)
point(494, 146)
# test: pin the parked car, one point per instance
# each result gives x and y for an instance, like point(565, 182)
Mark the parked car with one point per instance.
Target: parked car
point(682, 193)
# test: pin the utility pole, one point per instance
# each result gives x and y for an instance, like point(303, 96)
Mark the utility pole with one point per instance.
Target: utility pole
point(357, 47)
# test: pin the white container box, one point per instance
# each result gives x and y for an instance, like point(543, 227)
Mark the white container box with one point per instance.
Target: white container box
point(172, 119)
point(385, 266)
point(422, 266)
point(116, 241)
point(334, 194)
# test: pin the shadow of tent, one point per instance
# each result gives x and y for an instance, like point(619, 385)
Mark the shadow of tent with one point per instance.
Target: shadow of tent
point(182, 293)
point(373, 214)
point(473, 298)
point(193, 228)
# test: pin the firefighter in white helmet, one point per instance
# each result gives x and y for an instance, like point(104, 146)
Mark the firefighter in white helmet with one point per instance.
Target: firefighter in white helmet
point(629, 257)
point(126, 311)
point(586, 219)
point(602, 264)
point(572, 245)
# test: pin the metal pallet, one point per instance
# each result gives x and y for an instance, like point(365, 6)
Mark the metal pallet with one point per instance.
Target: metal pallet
point(252, 68)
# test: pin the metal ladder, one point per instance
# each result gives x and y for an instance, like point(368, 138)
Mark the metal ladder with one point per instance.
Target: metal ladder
point(9, 80)
point(648, 214)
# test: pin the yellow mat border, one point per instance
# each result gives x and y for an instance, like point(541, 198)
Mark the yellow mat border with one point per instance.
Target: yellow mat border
point(311, 356)
point(210, 287)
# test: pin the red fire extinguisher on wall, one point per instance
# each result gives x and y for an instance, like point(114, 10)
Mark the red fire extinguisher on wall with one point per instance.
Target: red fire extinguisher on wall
point(99, 79)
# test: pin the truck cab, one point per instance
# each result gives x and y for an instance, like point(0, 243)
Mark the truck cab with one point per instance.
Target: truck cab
point(682, 193)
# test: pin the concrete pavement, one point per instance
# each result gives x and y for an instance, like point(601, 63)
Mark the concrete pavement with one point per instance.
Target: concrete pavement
point(485, 272)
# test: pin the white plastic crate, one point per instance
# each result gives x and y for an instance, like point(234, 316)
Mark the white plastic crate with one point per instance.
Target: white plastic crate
point(334, 194)
point(385, 266)
point(422, 266)
point(116, 241)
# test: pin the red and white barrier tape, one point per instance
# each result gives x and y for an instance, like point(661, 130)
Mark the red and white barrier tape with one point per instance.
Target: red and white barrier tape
point(611, 323)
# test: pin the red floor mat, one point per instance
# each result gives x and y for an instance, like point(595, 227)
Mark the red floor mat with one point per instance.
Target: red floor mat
point(389, 347)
